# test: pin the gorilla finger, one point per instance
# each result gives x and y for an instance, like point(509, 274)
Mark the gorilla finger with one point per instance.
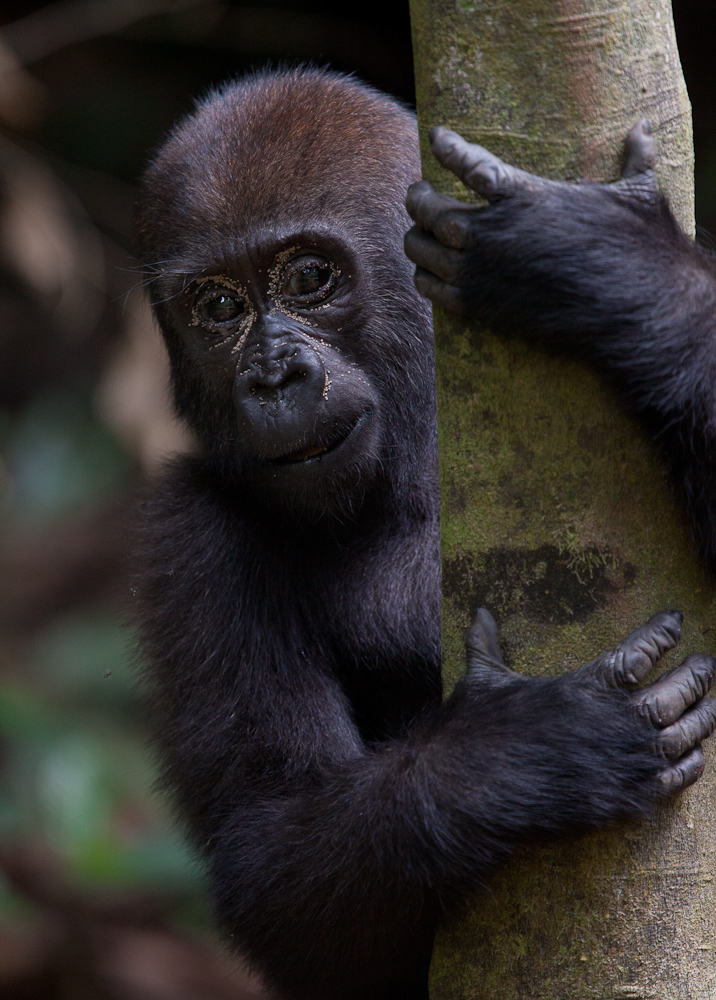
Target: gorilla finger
point(691, 730)
point(478, 168)
point(427, 208)
point(640, 150)
point(424, 203)
point(425, 251)
point(484, 658)
point(445, 217)
point(683, 773)
point(664, 701)
point(481, 640)
point(439, 292)
point(631, 661)
point(638, 179)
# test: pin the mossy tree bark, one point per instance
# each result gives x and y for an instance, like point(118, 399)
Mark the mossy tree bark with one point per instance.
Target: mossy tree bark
point(556, 513)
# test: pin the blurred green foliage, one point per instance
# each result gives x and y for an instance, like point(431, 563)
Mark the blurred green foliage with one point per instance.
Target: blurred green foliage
point(77, 780)
point(59, 457)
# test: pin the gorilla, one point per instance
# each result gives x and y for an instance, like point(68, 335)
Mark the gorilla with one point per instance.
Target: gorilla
point(289, 580)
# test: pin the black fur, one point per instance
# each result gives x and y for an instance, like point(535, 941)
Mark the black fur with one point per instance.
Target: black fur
point(290, 611)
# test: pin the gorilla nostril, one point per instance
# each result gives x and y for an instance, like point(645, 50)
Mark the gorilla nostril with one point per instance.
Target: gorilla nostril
point(297, 375)
point(272, 382)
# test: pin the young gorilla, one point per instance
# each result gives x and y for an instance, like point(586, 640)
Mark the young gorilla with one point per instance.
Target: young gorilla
point(291, 587)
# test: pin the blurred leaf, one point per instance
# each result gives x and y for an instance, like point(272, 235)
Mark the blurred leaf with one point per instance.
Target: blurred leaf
point(83, 788)
point(156, 862)
point(13, 907)
point(86, 656)
point(74, 793)
point(59, 457)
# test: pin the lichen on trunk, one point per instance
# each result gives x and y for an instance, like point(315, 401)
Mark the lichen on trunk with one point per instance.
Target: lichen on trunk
point(556, 513)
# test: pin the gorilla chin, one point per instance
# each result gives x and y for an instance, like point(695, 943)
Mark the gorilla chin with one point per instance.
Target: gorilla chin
point(327, 476)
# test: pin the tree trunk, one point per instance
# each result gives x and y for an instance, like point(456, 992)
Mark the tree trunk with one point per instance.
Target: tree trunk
point(556, 513)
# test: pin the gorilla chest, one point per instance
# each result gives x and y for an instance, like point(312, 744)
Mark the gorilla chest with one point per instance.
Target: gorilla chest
point(384, 630)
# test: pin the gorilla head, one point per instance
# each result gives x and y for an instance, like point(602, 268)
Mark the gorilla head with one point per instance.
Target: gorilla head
point(301, 353)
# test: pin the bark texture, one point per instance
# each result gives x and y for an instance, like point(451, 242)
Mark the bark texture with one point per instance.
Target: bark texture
point(556, 513)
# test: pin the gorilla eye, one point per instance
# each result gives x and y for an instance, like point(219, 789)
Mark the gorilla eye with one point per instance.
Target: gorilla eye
point(218, 309)
point(222, 309)
point(309, 280)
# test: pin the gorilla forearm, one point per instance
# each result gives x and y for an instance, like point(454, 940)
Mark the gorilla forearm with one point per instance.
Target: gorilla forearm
point(621, 286)
point(373, 850)
point(377, 849)
point(306, 826)
point(630, 294)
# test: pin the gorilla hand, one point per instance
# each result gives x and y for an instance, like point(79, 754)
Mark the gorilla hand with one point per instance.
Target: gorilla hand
point(513, 262)
point(667, 719)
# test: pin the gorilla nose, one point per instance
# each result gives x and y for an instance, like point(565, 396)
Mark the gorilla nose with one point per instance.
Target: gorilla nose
point(279, 380)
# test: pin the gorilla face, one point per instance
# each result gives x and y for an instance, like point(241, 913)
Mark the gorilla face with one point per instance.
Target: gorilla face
point(275, 333)
point(301, 352)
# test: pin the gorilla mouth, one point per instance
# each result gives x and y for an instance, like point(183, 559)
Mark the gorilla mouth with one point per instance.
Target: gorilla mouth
point(319, 449)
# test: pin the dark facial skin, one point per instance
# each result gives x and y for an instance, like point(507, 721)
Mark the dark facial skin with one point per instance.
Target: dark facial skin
point(289, 579)
point(271, 330)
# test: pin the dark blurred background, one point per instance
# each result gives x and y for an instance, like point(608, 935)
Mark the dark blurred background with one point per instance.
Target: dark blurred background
point(99, 900)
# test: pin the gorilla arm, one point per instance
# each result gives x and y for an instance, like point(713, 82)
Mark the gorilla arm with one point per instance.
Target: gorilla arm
point(599, 271)
point(331, 859)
